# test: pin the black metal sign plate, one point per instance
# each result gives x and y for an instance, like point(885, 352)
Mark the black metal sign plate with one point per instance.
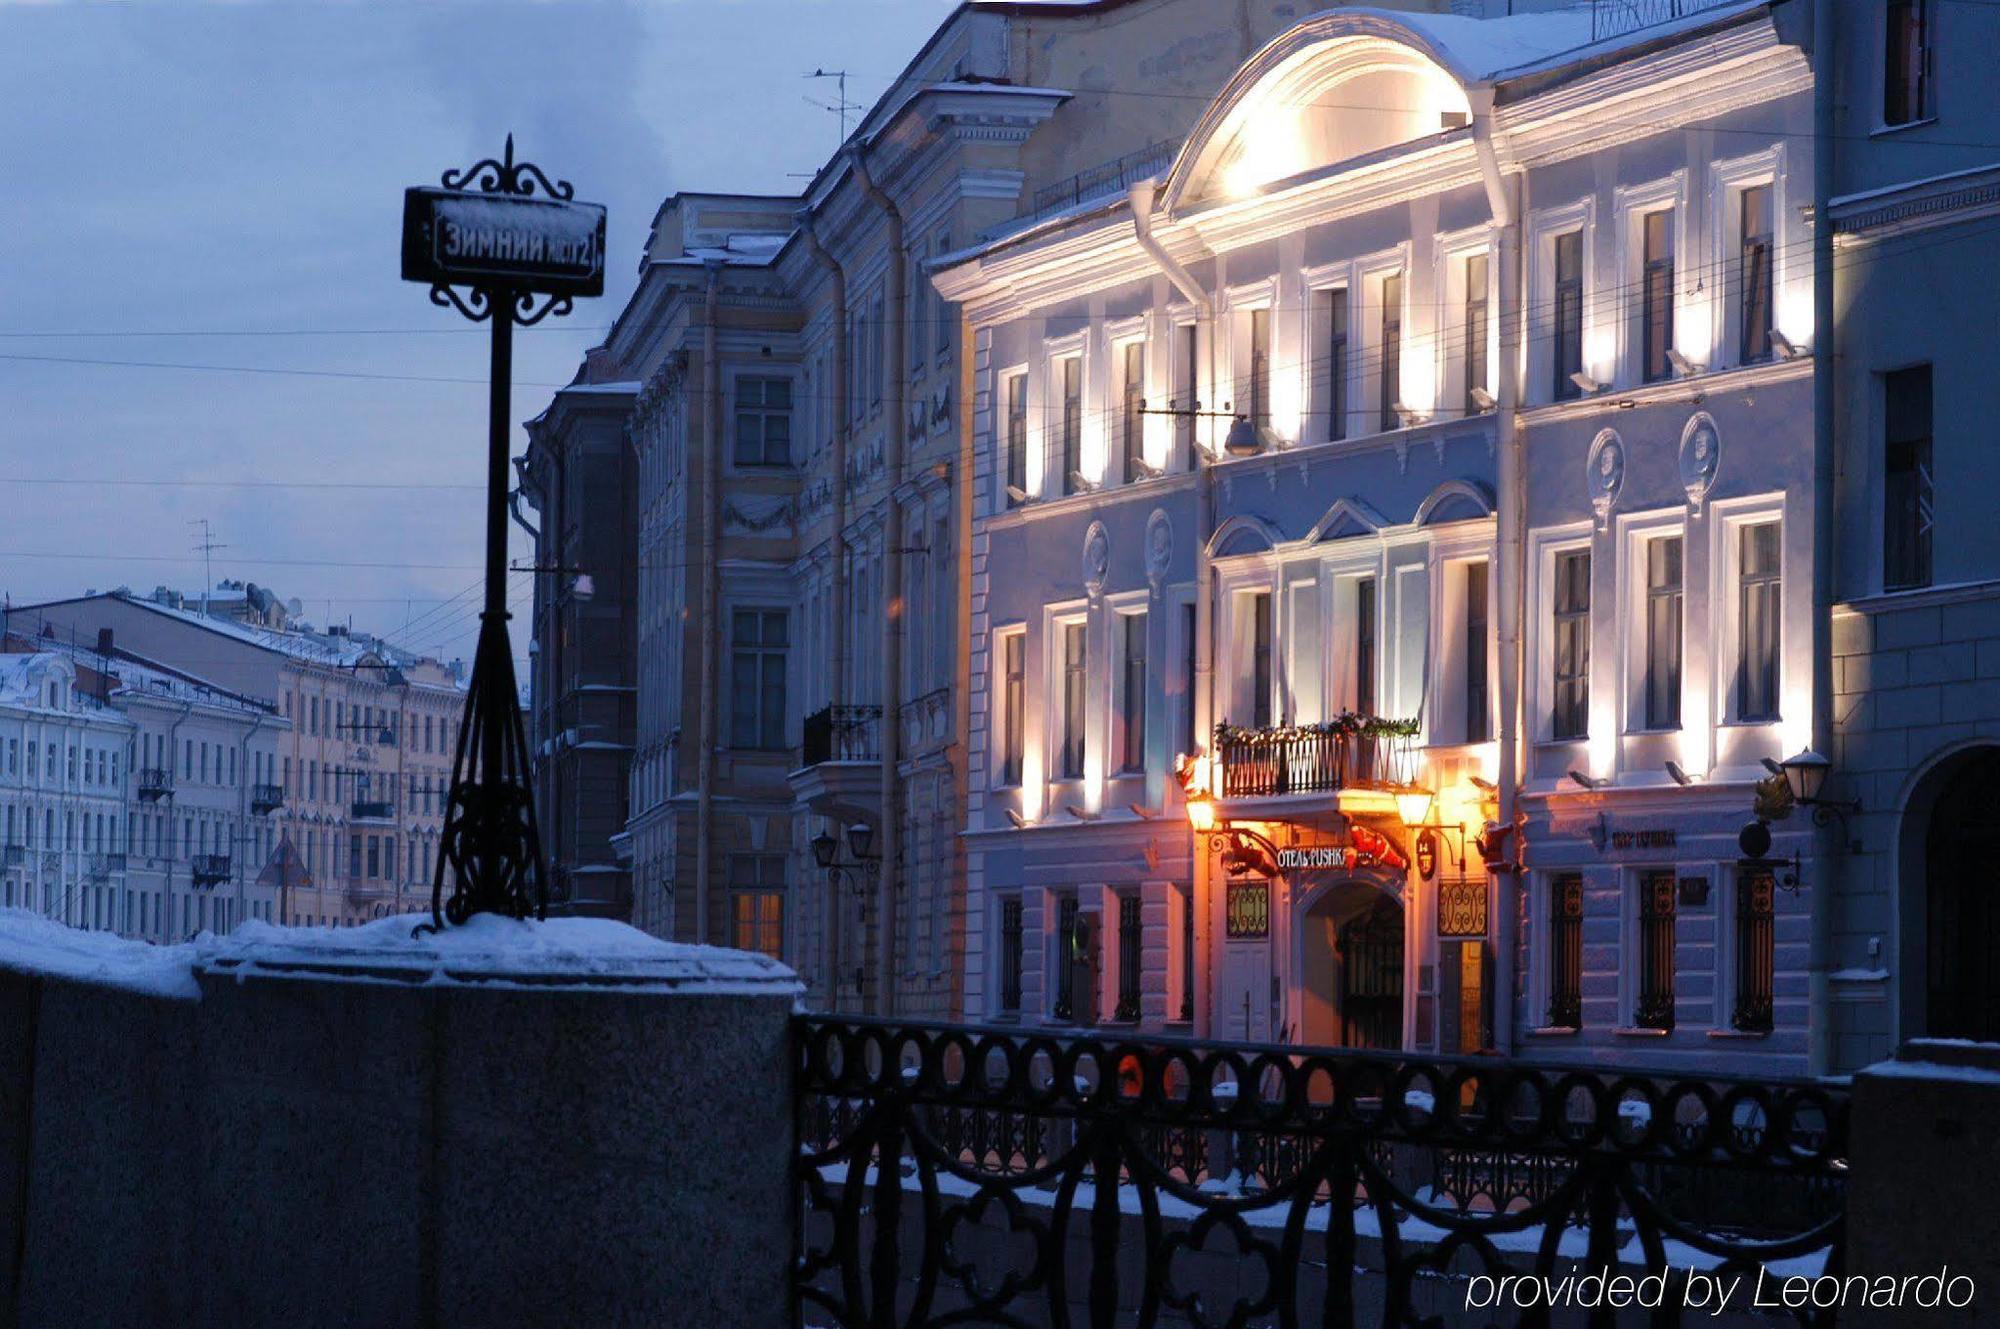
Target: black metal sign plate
point(471, 238)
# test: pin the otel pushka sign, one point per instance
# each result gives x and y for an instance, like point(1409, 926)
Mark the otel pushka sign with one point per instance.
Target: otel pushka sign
point(471, 238)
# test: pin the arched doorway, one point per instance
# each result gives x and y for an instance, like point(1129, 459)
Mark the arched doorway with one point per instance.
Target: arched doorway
point(1961, 897)
point(1351, 954)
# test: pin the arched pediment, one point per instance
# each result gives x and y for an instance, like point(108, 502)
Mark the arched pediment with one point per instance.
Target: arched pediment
point(1348, 517)
point(1335, 87)
point(1243, 534)
point(1455, 500)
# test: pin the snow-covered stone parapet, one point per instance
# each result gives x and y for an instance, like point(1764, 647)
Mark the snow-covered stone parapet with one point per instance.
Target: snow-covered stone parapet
point(36, 947)
point(559, 953)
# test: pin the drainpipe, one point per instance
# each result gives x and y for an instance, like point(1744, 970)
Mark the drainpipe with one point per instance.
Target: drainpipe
point(1143, 197)
point(167, 877)
point(1510, 582)
point(711, 588)
point(892, 577)
point(245, 787)
point(1819, 1005)
point(837, 392)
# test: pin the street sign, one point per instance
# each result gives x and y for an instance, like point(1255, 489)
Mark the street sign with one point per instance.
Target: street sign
point(469, 238)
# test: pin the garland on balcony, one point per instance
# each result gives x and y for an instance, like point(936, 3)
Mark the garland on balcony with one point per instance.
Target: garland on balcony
point(1348, 724)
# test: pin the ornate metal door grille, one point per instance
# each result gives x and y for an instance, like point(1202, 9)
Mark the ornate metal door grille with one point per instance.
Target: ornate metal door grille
point(1371, 978)
point(1566, 951)
point(1754, 951)
point(1655, 1007)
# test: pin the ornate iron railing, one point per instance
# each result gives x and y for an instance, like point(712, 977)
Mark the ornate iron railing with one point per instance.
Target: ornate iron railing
point(841, 733)
point(210, 869)
point(155, 783)
point(266, 798)
point(1103, 180)
point(1615, 18)
point(952, 1175)
point(1307, 760)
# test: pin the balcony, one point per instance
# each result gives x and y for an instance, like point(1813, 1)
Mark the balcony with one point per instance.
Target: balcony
point(155, 784)
point(926, 722)
point(1355, 752)
point(371, 810)
point(842, 733)
point(1615, 18)
point(210, 869)
point(12, 856)
point(266, 798)
point(103, 865)
point(840, 772)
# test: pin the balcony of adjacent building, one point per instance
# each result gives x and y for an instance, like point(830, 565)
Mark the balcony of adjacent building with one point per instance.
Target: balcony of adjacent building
point(209, 869)
point(105, 866)
point(840, 767)
point(154, 783)
point(266, 798)
point(381, 811)
point(13, 858)
point(926, 724)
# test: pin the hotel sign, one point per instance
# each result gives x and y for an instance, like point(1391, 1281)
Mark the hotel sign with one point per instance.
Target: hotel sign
point(472, 238)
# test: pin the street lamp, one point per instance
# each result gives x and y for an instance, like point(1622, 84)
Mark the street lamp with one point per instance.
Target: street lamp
point(1413, 806)
point(1805, 775)
point(862, 872)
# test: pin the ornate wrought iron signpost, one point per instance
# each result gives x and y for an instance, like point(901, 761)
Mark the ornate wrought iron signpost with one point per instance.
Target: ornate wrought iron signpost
point(524, 249)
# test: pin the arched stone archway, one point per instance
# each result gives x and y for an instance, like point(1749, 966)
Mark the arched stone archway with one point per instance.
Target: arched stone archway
point(1950, 880)
point(1351, 955)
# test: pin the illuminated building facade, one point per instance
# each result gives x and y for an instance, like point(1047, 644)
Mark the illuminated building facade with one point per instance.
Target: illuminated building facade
point(1439, 335)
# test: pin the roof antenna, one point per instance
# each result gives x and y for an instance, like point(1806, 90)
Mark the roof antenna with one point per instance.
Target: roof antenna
point(840, 106)
point(206, 547)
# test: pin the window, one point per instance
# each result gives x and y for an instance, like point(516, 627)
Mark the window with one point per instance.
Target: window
point(763, 422)
point(1656, 315)
point(1755, 952)
point(1065, 994)
point(1260, 660)
point(1663, 632)
point(1013, 650)
point(1655, 1006)
point(1476, 326)
point(757, 679)
point(1568, 315)
point(1336, 363)
point(1128, 959)
point(1074, 662)
point(1017, 437)
point(1132, 419)
point(1390, 389)
point(872, 346)
point(1187, 955)
point(1260, 368)
point(1758, 600)
point(1570, 713)
point(1364, 646)
point(1072, 422)
point(757, 886)
point(1906, 63)
point(1132, 693)
point(1010, 956)
point(1189, 664)
point(1190, 372)
point(1906, 496)
point(1754, 268)
point(1476, 707)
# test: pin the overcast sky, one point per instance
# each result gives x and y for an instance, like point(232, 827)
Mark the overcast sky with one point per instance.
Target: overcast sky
point(221, 185)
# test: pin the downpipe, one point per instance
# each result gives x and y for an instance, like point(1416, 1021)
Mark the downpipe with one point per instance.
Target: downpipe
point(711, 531)
point(1831, 853)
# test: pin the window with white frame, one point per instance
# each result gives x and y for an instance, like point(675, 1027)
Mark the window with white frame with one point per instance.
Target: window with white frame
point(1560, 303)
point(1073, 644)
point(1131, 361)
point(1755, 279)
point(1334, 364)
point(1567, 315)
point(1665, 600)
point(1069, 426)
point(1475, 326)
point(1012, 650)
point(1131, 635)
point(1759, 610)
point(763, 422)
point(1305, 662)
point(1014, 435)
point(1569, 640)
point(757, 678)
point(1186, 390)
point(1389, 353)
point(1907, 96)
point(1656, 295)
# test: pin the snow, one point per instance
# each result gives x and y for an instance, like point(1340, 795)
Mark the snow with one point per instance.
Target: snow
point(1859, 975)
point(560, 953)
point(1907, 186)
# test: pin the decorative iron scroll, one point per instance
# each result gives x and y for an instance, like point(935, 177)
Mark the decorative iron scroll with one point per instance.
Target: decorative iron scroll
point(956, 1175)
point(1461, 907)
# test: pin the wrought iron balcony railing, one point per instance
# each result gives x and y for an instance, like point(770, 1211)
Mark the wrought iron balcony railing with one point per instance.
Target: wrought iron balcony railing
point(842, 733)
point(1305, 759)
point(1615, 18)
point(266, 798)
point(13, 856)
point(210, 869)
point(372, 810)
point(103, 865)
point(155, 783)
point(1241, 1184)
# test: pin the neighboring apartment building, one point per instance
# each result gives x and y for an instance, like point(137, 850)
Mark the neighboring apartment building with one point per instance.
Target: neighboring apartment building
point(1437, 335)
point(800, 437)
point(365, 736)
point(1915, 190)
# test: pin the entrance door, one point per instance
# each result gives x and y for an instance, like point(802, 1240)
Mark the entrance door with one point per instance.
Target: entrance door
point(1962, 871)
point(1370, 961)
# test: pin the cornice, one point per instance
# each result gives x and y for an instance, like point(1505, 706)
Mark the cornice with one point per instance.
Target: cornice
point(1684, 391)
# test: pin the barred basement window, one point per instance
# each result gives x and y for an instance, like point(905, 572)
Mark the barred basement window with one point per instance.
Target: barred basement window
point(1566, 951)
point(1128, 959)
point(1655, 1007)
point(1010, 955)
point(1065, 1007)
point(1755, 952)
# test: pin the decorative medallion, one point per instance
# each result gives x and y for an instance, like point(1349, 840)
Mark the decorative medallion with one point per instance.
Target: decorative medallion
point(1605, 474)
point(1159, 546)
point(1701, 453)
point(1096, 559)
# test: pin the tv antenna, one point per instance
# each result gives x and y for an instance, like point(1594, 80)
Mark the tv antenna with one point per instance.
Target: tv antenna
point(840, 106)
point(206, 547)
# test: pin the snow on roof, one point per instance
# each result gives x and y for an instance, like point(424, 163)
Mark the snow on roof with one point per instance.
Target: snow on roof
point(623, 385)
point(487, 950)
point(1492, 50)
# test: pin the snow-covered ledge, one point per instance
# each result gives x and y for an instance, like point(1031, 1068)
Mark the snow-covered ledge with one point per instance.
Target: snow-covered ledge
point(524, 1123)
